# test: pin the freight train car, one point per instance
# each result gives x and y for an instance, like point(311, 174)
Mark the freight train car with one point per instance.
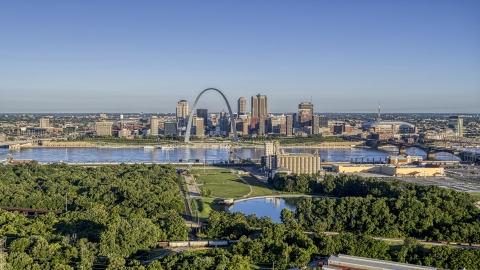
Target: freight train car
point(178, 244)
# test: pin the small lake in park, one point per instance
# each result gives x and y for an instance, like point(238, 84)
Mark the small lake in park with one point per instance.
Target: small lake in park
point(269, 207)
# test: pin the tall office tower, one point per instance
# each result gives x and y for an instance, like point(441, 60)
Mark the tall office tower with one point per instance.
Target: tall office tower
point(121, 116)
point(456, 123)
point(154, 126)
point(323, 121)
point(316, 124)
point(199, 127)
point(259, 110)
point(182, 112)
point(242, 106)
point(224, 123)
point(104, 128)
point(261, 126)
point(289, 125)
point(203, 113)
point(44, 122)
point(295, 120)
point(305, 114)
point(254, 103)
point(259, 106)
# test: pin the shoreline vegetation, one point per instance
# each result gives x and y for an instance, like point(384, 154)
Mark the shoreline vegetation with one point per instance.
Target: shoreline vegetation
point(310, 141)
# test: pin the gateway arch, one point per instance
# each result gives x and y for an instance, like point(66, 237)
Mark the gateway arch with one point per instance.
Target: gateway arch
point(190, 117)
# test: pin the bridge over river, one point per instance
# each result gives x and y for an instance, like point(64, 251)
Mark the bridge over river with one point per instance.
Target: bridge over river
point(464, 155)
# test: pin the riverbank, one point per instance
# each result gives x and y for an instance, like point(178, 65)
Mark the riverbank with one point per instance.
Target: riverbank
point(75, 144)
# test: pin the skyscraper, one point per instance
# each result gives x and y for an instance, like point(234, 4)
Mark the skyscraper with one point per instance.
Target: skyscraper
point(254, 110)
point(182, 112)
point(456, 123)
point(289, 125)
point(261, 126)
point(305, 114)
point(204, 114)
point(259, 106)
point(259, 110)
point(199, 128)
point(154, 126)
point(316, 124)
point(242, 106)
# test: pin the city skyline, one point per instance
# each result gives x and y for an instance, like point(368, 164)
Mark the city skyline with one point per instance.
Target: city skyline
point(415, 57)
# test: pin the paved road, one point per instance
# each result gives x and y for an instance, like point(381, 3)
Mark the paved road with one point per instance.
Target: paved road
point(192, 190)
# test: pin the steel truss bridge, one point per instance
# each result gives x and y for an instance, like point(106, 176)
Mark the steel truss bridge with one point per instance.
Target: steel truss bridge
point(466, 156)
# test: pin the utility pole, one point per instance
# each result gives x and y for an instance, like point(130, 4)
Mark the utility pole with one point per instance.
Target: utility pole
point(66, 203)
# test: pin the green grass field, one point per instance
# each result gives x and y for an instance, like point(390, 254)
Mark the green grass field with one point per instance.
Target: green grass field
point(221, 183)
point(224, 185)
point(204, 206)
point(476, 195)
point(259, 188)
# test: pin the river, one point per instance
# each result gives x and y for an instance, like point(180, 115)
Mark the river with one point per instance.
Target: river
point(186, 154)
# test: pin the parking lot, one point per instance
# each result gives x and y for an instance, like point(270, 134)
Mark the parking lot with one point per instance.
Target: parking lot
point(466, 178)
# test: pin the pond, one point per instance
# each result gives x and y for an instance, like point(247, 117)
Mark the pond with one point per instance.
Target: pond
point(269, 207)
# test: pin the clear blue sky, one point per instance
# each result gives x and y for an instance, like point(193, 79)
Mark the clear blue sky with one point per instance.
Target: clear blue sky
point(133, 56)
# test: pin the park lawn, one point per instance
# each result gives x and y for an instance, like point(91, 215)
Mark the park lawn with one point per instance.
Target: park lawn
point(259, 188)
point(221, 183)
point(476, 195)
point(208, 205)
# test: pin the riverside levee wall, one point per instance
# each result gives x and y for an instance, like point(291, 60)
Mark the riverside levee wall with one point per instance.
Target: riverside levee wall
point(390, 170)
point(67, 144)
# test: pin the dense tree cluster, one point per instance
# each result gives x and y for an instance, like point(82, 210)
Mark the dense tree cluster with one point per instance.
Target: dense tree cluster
point(204, 260)
point(131, 190)
point(286, 244)
point(384, 207)
point(114, 213)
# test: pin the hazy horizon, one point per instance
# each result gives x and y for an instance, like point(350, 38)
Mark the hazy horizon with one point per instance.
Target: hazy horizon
point(345, 56)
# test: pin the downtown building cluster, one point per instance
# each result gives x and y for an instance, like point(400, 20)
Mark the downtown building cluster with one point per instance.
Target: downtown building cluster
point(257, 122)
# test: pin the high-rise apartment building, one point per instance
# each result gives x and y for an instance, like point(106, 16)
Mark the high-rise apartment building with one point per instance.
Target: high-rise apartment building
point(44, 122)
point(242, 106)
point(104, 128)
point(456, 123)
point(203, 113)
point(305, 114)
point(154, 126)
point(182, 112)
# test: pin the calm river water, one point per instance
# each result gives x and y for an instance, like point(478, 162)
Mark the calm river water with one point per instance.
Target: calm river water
point(210, 154)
